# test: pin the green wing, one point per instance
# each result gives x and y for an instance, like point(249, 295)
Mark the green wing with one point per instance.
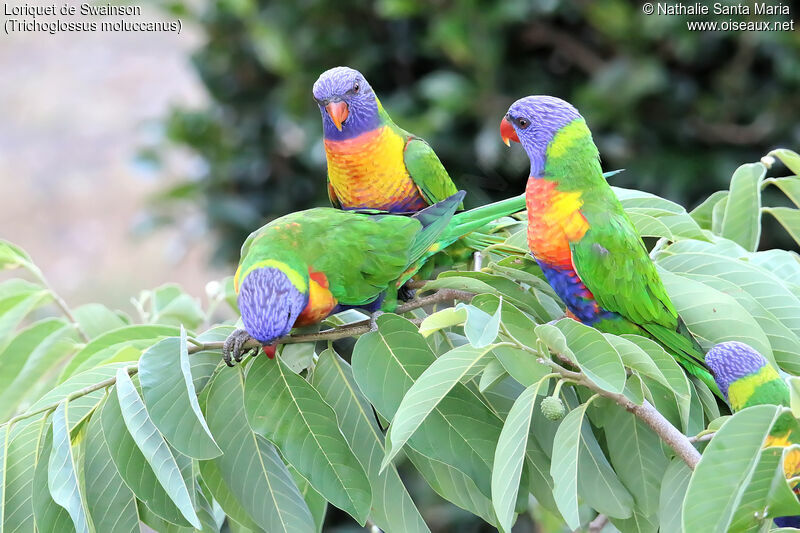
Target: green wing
point(427, 172)
point(612, 262)
point(361, 255)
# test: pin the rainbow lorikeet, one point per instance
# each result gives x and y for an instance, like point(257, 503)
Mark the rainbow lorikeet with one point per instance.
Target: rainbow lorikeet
point(585, 244)
point(303, 267)
point(745, 379)
point(373, 163)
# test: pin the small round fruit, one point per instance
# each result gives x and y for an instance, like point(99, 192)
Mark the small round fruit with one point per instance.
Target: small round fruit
point(553, 408)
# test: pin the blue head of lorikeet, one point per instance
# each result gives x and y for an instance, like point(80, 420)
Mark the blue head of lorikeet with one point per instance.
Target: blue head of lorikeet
point(745, 377)
point(270, 304)
point(347, 103)
point(533, 122)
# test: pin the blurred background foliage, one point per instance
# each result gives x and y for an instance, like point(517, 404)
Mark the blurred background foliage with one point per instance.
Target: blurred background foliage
point(679, 110)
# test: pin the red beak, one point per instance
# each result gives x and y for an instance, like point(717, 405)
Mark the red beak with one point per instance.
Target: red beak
point(338, 111)
point(507, 132)
point(269, 350)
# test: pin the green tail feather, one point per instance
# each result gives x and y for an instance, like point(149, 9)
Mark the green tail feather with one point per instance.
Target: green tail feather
point(435, 221)
point(686, 351)
point(469, 221)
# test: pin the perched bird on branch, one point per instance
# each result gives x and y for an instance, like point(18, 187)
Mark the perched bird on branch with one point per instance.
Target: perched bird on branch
point(587, 247)
point(303, 267)
point(745, 379)
point(373, 163)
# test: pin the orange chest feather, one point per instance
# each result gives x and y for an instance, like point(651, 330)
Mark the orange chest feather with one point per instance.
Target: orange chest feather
point(554, 220)
point(320, 300)
point(369, 170)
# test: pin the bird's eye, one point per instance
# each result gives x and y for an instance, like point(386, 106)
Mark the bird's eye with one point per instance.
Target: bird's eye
point(356, 88)
point(523, 123)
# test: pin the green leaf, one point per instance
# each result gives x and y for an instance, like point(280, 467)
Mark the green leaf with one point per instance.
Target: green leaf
point(789, 218)
point(766, 288)
point(314, 500)
point(170, 305)
point(28, 357)
point(596, 357)
point(212, 479)
point(673, 491)
point(82, 405)
point(298, 356)
point(667, 370)
point(741, 222)
point(460, 432)
point(459, 364)
point(453, 485)
point(493, 373)
point(96, 319)
point(789, 158)
point(564, 465)
point(445, 318)
point(790, 187)
point(154, 451)
point(287, 410)
point(509, 456)
point(725, 468)
point(783, 341)
point(767, 479)
point(17, 299)
point(250, 468)
point(702, 213)
point(598, 484)
point(16, 489)
point(392, 507)
point(638, 459)
point(50, 517)
point(480, 328)
point(12, 256)
point(171, 400)
point(658, 217)
point(713, 316)
point(111, 504)
point(62, 478)
point(103, 347)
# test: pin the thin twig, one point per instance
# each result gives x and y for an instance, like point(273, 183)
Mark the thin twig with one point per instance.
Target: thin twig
point(61, 304)
point(599, 522)
point(703, 437)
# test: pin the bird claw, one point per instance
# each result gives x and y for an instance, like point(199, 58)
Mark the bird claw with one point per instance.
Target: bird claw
point(405, 293)
point(232, 347)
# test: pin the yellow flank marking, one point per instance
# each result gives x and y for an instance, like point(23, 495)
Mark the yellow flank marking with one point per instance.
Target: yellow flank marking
point(295, 277)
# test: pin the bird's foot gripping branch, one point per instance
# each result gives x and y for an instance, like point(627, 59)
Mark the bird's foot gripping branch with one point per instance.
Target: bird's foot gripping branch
point(110, 419)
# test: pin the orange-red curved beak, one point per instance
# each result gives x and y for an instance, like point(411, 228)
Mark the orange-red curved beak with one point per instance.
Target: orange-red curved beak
point(269, 350)
point(338, 111)
point(507, 132)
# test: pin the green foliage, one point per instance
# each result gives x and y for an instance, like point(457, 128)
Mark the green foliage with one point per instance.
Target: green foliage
point(662, 101)
point(110, 421)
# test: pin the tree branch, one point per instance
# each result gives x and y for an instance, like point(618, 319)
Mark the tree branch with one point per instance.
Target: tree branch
point(648, 414)
point(352, 330)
